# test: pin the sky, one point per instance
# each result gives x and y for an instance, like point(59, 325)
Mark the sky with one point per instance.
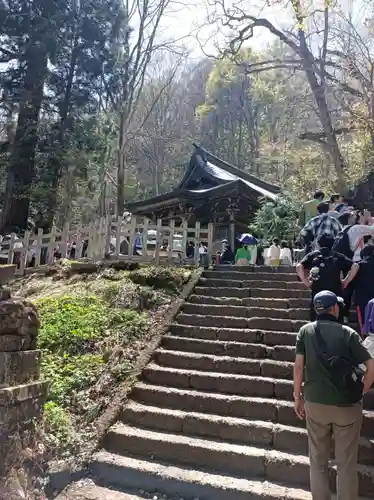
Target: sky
point(191, 17)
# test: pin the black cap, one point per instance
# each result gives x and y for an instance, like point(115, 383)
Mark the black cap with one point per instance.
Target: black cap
point(324, 300)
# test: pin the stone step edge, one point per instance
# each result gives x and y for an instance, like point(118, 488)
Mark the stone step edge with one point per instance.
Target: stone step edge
point(230, 343)
point(275, 402)
point(260, 331)
point(269, 456)
point(128, 430)
point(134, 406)
point(248, 308)
point(244, 285)
point(83, 490)
point(235, 318)
point(218, 375)
point(214, 357)
point(225, 300)
point(186, 482)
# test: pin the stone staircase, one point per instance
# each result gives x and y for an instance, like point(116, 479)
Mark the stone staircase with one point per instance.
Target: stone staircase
point(212, 417)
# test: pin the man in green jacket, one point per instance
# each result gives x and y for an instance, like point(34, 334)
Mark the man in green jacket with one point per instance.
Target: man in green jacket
point(309, 209)
point(331, 399)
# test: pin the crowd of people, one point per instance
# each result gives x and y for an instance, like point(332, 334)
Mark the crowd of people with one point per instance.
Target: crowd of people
point(338, 254)
point(333, 368)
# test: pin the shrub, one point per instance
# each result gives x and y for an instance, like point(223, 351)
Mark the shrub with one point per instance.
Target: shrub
point(128, 324)
point(58, 430)
point(71, 325)
point(66, 374)
point(169, 278)
point(277, 218)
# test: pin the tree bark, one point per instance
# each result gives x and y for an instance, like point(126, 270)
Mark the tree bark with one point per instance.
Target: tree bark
point(55, 167)
point(318, 91)
point(21, 166)
point(121, 167)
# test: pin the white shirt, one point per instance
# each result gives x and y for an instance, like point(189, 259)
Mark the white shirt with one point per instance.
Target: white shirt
point(286, 254)
point(274, 252)
point(356, 239)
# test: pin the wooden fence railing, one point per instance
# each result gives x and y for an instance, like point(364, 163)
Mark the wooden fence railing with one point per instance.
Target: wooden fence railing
point(139, 239)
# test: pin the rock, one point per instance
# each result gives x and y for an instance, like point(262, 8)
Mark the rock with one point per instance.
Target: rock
point(5, 293)
point(84, 267)
point(6, 273)
point(18, 317)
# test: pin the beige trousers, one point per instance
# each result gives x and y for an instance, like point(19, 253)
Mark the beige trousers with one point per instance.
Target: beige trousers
point(343, 424)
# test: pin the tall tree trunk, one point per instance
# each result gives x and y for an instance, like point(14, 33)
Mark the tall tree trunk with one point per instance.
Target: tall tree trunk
point(121, 167)
point(55, 167)
point(21, 167)
point(332, 145)
point(318, 90)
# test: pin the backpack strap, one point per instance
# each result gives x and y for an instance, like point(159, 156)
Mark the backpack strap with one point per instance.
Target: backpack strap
point(320, 347)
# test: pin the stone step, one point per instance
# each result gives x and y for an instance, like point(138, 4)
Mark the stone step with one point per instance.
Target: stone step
point(253, 268)
point(215, 310)
point(224, 383)
point(223, 364)
point(88, 490)
point(278, 293)
point(251, 408)
point(224, 291)
point(287, 303)
point(268, 337)
point(222, 301)
point(186, 482)
point(228, 383)
point(19, 367)
point(251, 276)
point(247, 311)
point(286, 325)
point(255, 432)
point(253, 284)
point(228, 348)
point(212, 455)
point(251, 302)
point(244, 308)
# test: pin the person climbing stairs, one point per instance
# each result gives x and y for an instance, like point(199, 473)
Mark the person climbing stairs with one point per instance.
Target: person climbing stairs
point(212, 417)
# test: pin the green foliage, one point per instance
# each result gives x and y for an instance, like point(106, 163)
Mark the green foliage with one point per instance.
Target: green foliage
point(121, 371)
point(71, 325)
point(168, 278)
point(58, 429)
point(66, 374)
point(110, 291)
point(276, 219)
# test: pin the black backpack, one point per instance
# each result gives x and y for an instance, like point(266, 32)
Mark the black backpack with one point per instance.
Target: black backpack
point(326, 269)
point(341, 244)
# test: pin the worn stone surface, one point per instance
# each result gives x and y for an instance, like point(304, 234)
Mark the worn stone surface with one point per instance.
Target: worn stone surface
point(18, 317)
point(21, 393)
point(19, 367)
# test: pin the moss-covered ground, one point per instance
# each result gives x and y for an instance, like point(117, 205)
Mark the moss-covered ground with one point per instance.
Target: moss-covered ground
point(93, 328)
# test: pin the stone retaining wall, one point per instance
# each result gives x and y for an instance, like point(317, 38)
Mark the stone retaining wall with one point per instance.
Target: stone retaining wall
point(21, 392)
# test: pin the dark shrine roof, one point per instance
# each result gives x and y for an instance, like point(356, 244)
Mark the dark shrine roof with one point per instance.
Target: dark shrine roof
point(209, 177)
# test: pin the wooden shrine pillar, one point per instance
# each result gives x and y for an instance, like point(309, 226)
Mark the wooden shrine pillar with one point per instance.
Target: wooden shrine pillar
point(232, 209)
point(232, 232)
